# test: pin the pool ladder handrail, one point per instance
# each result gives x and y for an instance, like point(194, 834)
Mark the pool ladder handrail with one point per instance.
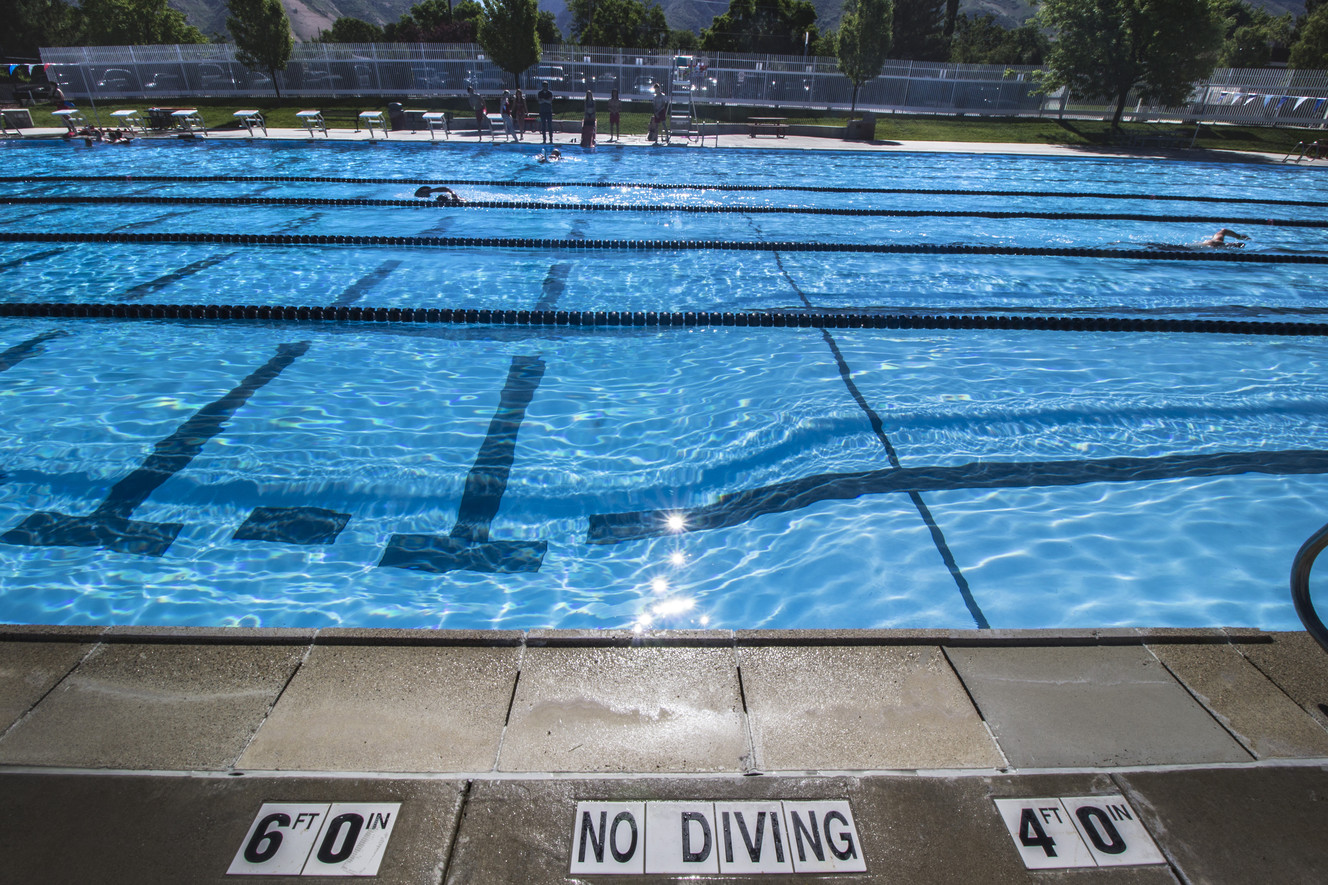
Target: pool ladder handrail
point(1312, 150)
point(1300, 586)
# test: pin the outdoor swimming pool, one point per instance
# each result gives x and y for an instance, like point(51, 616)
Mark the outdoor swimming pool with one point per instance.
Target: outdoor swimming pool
point(502, 475)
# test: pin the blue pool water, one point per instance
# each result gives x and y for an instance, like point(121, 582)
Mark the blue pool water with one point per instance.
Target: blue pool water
point(311, 474)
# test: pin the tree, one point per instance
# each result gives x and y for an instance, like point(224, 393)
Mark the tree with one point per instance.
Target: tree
point(864, 42)
point(622, 23)
point(547, 28)
point(981, 40)
point(262, 33)
point(352, 30)
point(775, 27)
point(1107, 48)
point(132, 23)
point(436, 21)
point(919, 27)
point(508, 34)
point(1311, 47)
point(1251, 34)
point(32, 24)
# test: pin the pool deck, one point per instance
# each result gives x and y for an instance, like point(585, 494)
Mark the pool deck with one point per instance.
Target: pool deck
point(149, 752)
point(569, 142)
point(138, 754)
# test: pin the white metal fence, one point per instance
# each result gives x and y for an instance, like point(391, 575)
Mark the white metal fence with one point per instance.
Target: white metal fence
point(421, 71)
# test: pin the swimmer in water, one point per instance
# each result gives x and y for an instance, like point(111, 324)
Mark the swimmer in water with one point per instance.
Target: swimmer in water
point(444, 195)
point(553, 156)
point(1219, 239)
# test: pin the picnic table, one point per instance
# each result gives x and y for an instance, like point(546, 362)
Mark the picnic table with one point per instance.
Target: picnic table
point(778, 124)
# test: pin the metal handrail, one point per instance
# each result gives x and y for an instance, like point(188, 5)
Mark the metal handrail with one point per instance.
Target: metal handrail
point(1300, 586)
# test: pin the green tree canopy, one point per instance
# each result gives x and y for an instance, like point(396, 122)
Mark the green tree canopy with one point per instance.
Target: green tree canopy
point(436, 21)
point(626, 23)
point(508, 32)
point(262, 33)
point(981, 40)
point(919, 27)
point(352, 30)
point(1311, 47)
point(131, 23)
point(547, 28)
point(776, 27)
point(863, 41)
point(32, 24)
point(1251, 34)
point(1106, 48)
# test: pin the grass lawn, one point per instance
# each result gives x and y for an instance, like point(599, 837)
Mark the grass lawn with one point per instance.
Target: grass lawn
point(889, 127)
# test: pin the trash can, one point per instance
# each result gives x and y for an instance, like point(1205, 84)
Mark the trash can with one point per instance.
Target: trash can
point(160, 118)
point(862, 130)
point(396, 117)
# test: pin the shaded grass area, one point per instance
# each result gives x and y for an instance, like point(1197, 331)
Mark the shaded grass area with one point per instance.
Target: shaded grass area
point(217, 113)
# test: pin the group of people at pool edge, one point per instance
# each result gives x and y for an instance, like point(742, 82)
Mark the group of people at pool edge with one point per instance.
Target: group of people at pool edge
point(513, 111)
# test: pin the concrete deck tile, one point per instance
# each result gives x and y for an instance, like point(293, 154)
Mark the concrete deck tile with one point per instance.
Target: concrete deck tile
point(923, 831)
point(188, 707)
point(1265, 720)
point(1299, 667)
point(859, 708)
point(1055, 707)
point(1238, 826)
point(28, 670)
point(626, 709)
point(176, 830)
point(389, 708)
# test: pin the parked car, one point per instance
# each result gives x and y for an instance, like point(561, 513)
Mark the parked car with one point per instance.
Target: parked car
point(163, 82)
point(215, 77)
point(34, 93)
point(117, 80)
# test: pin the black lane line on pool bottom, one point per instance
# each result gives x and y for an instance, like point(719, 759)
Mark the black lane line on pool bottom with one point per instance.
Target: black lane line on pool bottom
point(655, 185)
point(36, 256)
point(878, 427)
point(468, 546)
point(25, 349)
point(151, 287)
point(737, 508)
point(707, 209)
point(110, 525)
point(361, 287)
point(555, 284)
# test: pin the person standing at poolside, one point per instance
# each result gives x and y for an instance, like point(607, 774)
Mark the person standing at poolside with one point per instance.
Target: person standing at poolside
point(545, 113)
point(519, 112)
point(615, 113)
point(505, 108)
point(476, 105)
point(661, 106)
point(588, 124)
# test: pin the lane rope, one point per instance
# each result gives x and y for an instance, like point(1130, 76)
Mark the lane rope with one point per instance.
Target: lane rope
point(588, 245)
point(307, 202)
point(728, 188)
point(588, 319)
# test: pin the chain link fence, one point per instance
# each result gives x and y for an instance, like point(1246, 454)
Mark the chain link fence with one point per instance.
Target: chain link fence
point(419, 72)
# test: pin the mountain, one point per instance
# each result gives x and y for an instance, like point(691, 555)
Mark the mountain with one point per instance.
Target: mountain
point(309, 17)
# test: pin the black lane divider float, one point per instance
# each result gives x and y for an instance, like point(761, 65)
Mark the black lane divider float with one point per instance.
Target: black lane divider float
point(110, 525)
point(646, 185)
point(289, 202)
point(25, 349)
point(651, 319)
point(581, 245)
point(468, 547)
point(737, 508)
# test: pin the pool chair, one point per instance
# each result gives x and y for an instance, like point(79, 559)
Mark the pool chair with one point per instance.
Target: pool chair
point(370, 119)
point(496, 125)
point(130, 120)
point(436, 120)
point(72, 118)
point(313, 121)
point(251, 120)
